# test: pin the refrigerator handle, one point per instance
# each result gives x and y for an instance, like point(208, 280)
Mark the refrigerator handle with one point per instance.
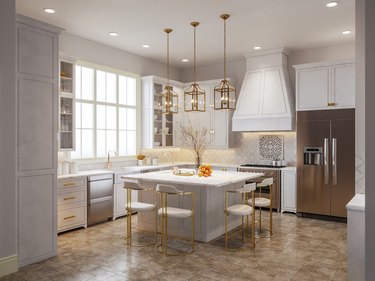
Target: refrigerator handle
point(334, 161)
point(325, 161)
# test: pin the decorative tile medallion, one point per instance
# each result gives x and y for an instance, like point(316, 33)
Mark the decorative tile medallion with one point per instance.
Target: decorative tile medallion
point(271, 147)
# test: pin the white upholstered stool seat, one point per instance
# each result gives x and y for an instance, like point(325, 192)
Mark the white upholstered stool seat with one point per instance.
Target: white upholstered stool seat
point(166, 212)
point(261, 202)
point(239, 210)
point(140, 206)
point(264, 202)
point(175, 212)
point(130, 207)
point(242, 210)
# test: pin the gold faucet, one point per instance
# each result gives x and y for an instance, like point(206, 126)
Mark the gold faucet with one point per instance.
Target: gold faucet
point(109, 163)
point(174, 168)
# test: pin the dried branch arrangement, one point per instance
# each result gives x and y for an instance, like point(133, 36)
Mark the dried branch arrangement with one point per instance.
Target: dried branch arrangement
point(195, 140)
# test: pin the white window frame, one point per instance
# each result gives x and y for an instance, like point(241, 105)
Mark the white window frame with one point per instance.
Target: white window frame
point(94, 102)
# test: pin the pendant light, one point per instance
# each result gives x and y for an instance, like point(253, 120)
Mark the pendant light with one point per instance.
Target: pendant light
point(195, 97)
point(224, 93)
point(168, 99)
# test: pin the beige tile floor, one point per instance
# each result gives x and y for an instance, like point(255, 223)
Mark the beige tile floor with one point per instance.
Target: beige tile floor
point(300, 249)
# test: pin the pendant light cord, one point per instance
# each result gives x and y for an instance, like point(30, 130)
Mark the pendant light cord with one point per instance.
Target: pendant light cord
point(225, 49)
point(168, 58)
point(195, 56)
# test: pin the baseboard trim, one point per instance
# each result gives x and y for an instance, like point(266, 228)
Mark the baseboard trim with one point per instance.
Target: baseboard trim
point(8, 265)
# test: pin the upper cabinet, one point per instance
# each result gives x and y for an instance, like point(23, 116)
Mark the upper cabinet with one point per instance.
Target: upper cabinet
point(325, 85)
point(66, 105)
point(157, 128)
point(218, 122)
point(162, 130)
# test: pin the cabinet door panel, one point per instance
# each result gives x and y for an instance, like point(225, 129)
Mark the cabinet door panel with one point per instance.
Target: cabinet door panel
point(344, 86)
point(220, 128)
point(313, 89)
point(36, 135)
point(35, 52)
point(289, 194)
point(36, 217)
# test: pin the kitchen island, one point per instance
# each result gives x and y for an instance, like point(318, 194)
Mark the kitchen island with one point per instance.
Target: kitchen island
point(209, 201)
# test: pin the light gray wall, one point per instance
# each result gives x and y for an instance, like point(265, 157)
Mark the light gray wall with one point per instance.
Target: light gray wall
point(236, 69)
point(365, 10)
point(7, 130)
point(330, 53)
point(94, 52)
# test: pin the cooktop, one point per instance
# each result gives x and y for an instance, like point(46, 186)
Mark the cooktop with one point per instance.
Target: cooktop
point(261, 166)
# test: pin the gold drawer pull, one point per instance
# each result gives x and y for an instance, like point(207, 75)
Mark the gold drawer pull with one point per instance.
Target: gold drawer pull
point(69, 198)
point(69, 184)
point(70, 217)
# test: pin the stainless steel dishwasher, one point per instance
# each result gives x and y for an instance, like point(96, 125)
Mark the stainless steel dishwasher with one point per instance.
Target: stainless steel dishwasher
point(99, 198)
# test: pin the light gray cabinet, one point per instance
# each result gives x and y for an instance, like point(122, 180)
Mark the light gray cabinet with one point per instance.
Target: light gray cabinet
point(37, 110)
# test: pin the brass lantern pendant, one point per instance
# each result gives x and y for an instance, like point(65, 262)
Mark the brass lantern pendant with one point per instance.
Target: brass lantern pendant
point(195, 97)
point(168, 99)
point(224, 93)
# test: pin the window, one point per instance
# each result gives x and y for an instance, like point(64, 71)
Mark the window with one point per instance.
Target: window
point(106, 112)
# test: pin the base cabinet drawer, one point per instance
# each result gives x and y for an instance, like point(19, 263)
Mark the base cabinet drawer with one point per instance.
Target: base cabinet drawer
point(65, 198)
point(66, 184)
point(72, 217)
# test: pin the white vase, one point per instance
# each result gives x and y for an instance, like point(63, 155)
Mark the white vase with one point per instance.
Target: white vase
point(140, 162)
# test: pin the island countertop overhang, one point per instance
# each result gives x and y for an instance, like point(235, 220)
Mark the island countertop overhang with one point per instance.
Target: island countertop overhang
point(218, 178)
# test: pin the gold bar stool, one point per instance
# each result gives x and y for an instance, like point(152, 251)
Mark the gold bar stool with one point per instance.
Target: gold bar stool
point(130, 207)
point(242, 210)
point(166, 212)
point(263, 202)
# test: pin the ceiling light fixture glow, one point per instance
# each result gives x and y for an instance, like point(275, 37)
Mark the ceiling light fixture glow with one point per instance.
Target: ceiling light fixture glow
point(49, 10)
point(332, 4)
point(146, 46)
point(257, 48)
point(346, 32)
point(113, 34)
point(184, 60)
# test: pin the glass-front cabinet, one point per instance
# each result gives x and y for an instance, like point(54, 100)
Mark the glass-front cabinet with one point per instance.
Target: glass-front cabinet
point(158, 129)
point(66, 105)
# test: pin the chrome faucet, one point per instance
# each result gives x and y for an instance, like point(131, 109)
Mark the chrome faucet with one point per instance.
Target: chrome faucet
point(109, 163)
point(174, 168)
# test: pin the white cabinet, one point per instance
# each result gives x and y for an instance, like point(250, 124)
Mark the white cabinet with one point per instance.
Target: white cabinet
point(325, 85)
point(218, 122)
point(66, 106)
point(36, 131)
point(71, 203)
point(157, 128)
point(288, 190)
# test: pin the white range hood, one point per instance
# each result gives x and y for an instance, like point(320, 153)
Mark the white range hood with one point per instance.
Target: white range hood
point(266, 100)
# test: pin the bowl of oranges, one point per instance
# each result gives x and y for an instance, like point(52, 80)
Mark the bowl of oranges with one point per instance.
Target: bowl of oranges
point(204, 171)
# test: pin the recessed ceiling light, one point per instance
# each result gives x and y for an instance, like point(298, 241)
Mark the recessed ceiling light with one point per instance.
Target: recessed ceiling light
point(49, 10)
point(257, 48)
point(184, 60)
point(113, 34)
point(332, 4)
point(146, 46)
point(346, 32)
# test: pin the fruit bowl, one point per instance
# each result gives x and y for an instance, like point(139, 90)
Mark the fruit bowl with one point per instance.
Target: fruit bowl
point(204, 171)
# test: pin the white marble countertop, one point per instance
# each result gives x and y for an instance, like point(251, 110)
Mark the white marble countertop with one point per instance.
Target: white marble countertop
point(86, 174)
point(357, 203)
point(217, 178)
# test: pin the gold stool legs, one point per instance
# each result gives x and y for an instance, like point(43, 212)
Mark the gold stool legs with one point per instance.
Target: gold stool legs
point(164, 228)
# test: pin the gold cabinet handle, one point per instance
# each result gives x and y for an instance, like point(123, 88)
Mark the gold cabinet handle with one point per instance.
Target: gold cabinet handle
point(69, 198)
point(70, 217)
point(69, 184)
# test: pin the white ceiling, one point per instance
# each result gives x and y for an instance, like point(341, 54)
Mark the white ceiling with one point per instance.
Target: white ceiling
point(295, 24)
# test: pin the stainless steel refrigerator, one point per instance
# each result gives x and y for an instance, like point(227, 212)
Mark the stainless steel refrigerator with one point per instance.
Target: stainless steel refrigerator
point(325, 161)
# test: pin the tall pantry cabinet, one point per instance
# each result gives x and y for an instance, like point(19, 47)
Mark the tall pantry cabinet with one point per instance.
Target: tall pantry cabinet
point(36, 152)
